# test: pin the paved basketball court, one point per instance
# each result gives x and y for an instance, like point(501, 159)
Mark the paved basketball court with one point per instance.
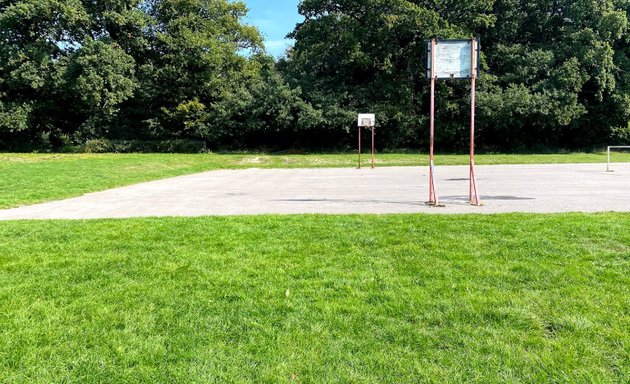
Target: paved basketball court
point(504, 188)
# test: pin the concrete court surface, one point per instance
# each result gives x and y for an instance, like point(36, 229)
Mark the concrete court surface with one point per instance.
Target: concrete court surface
point(503, 188)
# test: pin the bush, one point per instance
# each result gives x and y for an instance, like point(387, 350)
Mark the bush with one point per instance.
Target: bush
point(139, 146)
point(98, 146)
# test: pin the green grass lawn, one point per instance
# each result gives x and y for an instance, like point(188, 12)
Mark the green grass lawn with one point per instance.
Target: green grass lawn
point(33, 178)
point(317, 299)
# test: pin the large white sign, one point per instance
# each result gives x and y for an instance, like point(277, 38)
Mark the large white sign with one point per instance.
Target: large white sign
point(453, 59)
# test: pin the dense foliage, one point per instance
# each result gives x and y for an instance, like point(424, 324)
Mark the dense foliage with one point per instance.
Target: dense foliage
point(556, 73)
point(76, 70)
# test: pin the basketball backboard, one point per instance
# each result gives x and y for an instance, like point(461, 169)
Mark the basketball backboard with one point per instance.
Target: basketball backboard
point(367, 120)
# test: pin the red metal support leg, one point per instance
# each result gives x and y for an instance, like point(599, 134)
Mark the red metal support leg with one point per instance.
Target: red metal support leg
point(372, 147)
point(473, 194)
point(433, 197)
point(359, 166)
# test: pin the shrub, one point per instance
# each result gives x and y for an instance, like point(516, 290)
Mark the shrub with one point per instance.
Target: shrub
point(140, 146)
point(98, 146)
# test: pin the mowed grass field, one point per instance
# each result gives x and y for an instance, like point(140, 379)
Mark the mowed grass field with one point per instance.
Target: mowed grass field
point(317, 299)
point(33, 178)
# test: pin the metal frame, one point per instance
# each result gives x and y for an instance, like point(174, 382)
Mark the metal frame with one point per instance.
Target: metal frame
point(608, 165)
point(431, 59)
point(473, 197)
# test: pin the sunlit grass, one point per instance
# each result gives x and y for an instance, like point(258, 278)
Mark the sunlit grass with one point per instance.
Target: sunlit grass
point(312, 299)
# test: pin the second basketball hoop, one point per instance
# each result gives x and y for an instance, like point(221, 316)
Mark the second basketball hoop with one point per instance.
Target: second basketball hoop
point(366, 120)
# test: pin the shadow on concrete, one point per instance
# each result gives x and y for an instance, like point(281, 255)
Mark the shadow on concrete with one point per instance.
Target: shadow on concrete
point(458, 200)
point(485, 197)
point(409, 203)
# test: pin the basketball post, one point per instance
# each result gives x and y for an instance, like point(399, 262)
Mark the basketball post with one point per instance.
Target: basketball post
point(372, 147)
point(367, 120)
point(433, 198)
point(359, 166)
point(473, 195)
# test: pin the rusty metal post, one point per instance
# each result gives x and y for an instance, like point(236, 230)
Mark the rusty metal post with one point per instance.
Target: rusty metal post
point(372, 147)
point(359, 166)
point(473, 194)
point(433, 198)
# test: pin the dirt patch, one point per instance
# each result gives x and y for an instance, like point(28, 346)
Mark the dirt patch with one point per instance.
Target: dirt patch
point(255, 160)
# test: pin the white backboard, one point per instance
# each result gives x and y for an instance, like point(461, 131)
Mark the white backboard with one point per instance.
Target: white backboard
point(367, 120)
point(453, 59)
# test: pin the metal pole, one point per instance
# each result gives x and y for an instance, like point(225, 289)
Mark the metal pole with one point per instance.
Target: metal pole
point(433, 198)
point(359, 167)
point(372, 147)
point(608, 164)
point(473, 194)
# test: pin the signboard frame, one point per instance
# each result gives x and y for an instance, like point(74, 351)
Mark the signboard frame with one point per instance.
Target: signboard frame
point(451, 48)
point(454, 54)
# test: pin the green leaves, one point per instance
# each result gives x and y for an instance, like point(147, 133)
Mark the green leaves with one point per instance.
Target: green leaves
point(104, 75)
point(116, 68)
point(564, 51)
point(14, 117)
point(555, 73)
point(552, 68)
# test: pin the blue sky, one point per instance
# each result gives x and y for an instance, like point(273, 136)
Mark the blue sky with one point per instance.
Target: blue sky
point(275, 19)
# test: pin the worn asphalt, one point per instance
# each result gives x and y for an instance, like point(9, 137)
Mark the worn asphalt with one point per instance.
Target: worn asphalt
point(503, 188)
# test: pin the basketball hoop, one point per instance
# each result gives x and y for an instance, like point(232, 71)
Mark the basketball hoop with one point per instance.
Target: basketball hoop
point(367, 120)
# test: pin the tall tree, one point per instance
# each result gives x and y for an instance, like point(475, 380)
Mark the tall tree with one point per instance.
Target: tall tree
point(122, 68)
point(554, 71)
point(196, 65)
point(369, 55)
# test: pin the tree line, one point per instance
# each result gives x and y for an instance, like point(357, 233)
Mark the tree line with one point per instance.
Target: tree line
point(554, 74)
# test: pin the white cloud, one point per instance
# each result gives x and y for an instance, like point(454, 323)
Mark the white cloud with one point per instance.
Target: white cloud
point(278, 47)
